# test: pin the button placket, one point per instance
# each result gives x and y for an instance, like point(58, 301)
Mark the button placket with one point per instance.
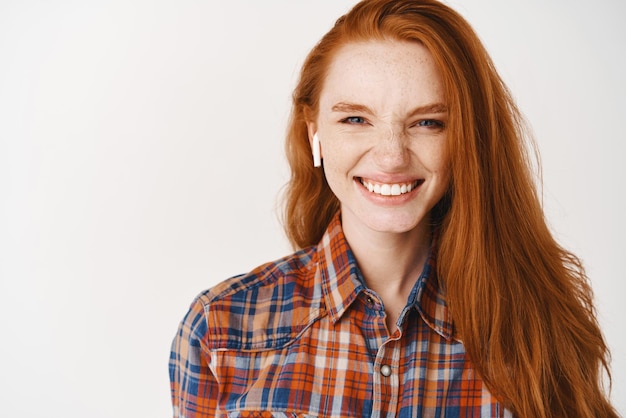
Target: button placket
point(371, 300)
point(386, 379)
point(385, 370)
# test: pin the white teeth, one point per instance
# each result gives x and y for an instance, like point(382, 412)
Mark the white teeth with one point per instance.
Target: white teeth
point(388, 189)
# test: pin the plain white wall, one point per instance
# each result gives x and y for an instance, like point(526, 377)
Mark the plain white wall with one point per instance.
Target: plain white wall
point(141, 159)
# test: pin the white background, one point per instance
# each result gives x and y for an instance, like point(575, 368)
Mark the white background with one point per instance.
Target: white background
point(141, 157)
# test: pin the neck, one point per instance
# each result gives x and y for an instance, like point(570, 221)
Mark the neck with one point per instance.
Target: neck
point(390, 262)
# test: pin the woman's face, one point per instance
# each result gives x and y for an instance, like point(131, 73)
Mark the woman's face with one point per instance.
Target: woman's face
point(382, 128)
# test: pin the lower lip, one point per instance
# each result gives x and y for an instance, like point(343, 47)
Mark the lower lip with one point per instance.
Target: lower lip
point(388, 200)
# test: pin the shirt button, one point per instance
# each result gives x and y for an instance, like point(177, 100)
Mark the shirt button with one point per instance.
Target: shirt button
point(385, 370)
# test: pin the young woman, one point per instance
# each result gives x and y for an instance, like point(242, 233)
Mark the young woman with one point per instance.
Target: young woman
point(426, 282)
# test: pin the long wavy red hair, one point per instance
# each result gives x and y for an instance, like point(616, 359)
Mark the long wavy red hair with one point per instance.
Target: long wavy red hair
point(521, 303)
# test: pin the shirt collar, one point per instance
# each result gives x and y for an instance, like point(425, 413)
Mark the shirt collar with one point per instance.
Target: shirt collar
point(338, 270)
point(428, 297)
point(341, 284)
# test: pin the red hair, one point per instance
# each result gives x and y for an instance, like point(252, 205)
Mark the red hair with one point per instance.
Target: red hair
point(521, 303)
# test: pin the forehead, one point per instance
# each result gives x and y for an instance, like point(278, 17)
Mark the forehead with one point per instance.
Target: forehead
point(381, 52)
point(383, 71)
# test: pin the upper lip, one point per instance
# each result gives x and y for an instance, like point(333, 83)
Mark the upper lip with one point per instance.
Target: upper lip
point(389, 179)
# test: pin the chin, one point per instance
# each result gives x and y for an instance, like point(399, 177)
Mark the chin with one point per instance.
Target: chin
point(394, 223)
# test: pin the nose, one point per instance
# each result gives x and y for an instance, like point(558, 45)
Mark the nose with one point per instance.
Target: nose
point(391, 151)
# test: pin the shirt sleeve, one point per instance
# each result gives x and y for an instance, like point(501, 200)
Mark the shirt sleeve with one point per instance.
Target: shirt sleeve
point(193, 386)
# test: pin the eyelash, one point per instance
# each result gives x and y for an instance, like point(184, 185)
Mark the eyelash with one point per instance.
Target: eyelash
point(426, 123)
point(350, 120)
point(430, 123)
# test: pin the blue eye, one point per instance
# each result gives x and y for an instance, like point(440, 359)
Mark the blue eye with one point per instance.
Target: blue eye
point(355, 120)
point(430, 123)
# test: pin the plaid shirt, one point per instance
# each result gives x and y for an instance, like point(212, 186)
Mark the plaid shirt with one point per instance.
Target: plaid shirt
point(304, 337)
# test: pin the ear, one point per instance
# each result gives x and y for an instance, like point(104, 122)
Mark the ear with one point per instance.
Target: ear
point(314, 143)
point(312, 130)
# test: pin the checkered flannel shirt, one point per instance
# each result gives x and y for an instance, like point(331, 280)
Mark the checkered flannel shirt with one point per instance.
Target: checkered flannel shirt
point(305, 337)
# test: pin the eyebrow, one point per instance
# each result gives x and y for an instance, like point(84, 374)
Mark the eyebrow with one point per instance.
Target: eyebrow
point(350, 107)
point(430, 108)
point(354, 107)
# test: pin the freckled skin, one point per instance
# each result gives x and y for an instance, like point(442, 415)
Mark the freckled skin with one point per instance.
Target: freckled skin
point(385, 140)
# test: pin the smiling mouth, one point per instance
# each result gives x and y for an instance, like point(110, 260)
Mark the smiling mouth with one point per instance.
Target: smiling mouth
point(389, 189)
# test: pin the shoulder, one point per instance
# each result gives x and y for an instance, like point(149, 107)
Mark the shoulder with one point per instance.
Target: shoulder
point(294, 267)
point(265, 308)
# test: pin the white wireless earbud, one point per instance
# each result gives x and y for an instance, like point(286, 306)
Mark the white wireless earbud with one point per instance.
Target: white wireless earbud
point(317, 152)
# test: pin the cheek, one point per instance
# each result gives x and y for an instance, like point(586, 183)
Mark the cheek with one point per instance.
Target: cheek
point(335, 170)
point(443, 173)
point(338, 163)
point(433, 158)
point(441, 167)
point(336, 156)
